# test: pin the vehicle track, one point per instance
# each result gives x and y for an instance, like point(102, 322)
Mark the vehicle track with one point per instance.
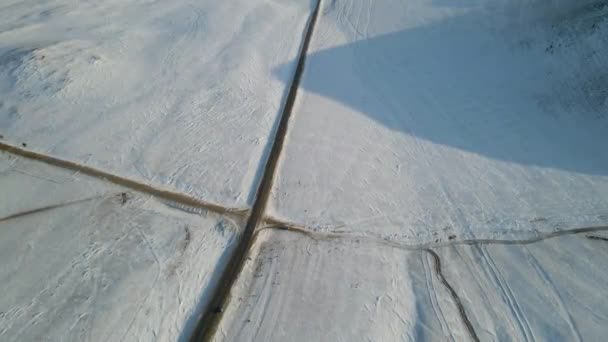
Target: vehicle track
point(153, 190)
point(315, 235)
point(51, 207)
point(329, 235)
point(454, 295)
point(210, 318)
point(208, 321)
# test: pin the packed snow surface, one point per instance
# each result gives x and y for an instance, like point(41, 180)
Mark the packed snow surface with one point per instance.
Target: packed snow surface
point(417, 120)
point(102, 263)
point(178, 93)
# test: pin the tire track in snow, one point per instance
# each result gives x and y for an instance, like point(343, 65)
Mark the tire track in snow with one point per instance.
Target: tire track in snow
point(151, 189)
point(501, 284)
point(563, 308)
point(274, 223)
point(432, 293)
point(594, 237)
point(210, 318)
point(492, 272)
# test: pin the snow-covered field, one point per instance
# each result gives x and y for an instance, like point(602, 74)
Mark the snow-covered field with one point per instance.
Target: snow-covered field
point(553, 290)
point(438, 160)
point(314, 288)
point(104, 263)
point(421, 119)
point(175, 93)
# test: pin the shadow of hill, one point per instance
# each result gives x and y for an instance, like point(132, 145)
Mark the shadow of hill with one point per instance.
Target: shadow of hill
point(502, 93)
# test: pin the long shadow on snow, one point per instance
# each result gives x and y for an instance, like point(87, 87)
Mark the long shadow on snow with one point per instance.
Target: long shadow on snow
point(501, 96)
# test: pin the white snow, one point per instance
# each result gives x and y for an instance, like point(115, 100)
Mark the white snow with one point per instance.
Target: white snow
point(180, 94)
point(98, 269)
point(320, 288)
point(418, 124)
point(481, 119)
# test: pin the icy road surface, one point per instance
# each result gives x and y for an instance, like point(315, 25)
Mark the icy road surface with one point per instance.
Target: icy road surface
point(179, 94)
point(102, 264)
point(418, 120)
